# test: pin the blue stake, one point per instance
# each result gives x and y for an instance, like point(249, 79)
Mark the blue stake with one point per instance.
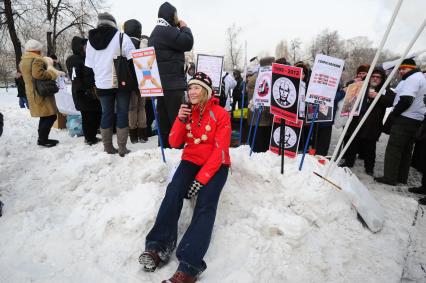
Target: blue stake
point(309, 136)
point(251, 124)
point(157, 125)
point(255, 129)
point(242, 113)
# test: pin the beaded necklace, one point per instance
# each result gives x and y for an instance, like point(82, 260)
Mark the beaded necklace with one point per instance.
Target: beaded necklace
point(189, 128)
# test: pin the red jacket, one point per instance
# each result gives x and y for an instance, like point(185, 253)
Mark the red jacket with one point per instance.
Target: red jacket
point(213, 152)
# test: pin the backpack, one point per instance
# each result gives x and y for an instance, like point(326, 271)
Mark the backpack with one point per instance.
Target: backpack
point(223, 95)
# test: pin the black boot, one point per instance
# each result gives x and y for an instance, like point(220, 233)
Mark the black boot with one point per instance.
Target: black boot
point(46, 143)
point(417, 190)
point(142, 135)
point(133, 133)
point(43, 140)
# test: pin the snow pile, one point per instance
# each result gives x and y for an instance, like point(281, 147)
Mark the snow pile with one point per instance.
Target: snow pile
point(75, 214)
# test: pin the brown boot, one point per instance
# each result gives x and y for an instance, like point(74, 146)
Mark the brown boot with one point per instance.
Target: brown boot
point(142, 135)
point(122, 136)
point(150, 260)
point(107, 141)
point(180, 277)
point(133, 133)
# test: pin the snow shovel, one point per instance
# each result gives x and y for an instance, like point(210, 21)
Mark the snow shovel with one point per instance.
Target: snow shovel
point(366, 205)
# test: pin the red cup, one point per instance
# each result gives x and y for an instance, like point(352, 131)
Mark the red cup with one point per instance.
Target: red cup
point(312, 151)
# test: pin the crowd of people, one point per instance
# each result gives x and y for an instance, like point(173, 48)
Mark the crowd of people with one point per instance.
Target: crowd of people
point(192, 118)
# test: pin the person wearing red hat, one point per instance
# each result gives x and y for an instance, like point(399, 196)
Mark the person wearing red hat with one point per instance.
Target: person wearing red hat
point(403, 123)
point(205, 129)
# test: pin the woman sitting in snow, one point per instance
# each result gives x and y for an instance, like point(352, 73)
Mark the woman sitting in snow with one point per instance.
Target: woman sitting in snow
point(205, 128)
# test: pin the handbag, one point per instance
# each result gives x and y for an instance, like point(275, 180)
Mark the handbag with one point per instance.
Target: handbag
point(122, 69)
point(44, 88)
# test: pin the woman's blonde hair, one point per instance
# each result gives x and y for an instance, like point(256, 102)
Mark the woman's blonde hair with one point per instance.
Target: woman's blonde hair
point(205, 96)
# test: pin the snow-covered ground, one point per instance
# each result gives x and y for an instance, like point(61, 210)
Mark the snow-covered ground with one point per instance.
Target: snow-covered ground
point(75, 214)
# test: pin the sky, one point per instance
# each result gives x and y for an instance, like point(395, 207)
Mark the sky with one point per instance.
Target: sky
point(265, 23)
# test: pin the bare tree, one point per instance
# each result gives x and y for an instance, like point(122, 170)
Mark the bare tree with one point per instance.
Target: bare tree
point(327, 43)
point(234, 48)
point(282, 50)
point(294, 48)
point(62, 15)
point(7, 18)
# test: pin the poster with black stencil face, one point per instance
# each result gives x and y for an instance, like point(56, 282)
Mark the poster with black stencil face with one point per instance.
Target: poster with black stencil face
point(291, 137)
point(285, 91)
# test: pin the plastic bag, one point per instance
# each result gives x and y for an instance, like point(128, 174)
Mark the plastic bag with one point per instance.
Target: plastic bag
point(74, 125)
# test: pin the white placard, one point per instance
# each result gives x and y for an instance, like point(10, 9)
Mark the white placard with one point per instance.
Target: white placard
point(212, 66)
point(147, 73)
point(324, 81)
point(262, 89)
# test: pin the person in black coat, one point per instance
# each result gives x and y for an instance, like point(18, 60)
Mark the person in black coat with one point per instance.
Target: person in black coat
point(20, 85)
point(368, 135)
point(84, 91)
point(171, 38)
point(137, 113)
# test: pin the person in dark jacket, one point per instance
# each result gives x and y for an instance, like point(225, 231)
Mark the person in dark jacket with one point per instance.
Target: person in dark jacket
point(418, 162)
point(137, 113)
point(56, 63)
point(83, 90)
point(237, 92)
point(367, 137)
point(1, 124)
point(20, 85)
point(171, 38)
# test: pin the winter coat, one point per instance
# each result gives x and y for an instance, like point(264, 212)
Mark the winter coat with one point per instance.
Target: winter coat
point(170, 43)
point(103, 46)
point(213, 152)
point(373, 125)
point(20, 85)
point(419, 153)
point(39, 106)
point(265, 117)
point(133, 29)
point(82, 77)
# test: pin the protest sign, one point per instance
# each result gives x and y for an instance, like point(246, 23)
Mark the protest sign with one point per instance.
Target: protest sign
point(325, 113)
point(291, 137)
point(324, 80)
point(212, 66)
point(147, 73)
point(285, 91)
point(262, 89)
point(352, 92)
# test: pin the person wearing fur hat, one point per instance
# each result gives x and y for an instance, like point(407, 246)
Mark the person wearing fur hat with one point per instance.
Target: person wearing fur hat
point(102, 48)
point(403, 123)
point(33, 66)
point(137, 114)
point(171, 38)
point(205, 129)
point(367, 137)
point(361, 73)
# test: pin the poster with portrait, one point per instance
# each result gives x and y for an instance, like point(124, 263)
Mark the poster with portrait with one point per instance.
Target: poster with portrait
point(146, 69)
point(291, 137)
point(324, 80)
point(285, 91)
point(325, 113)
point(352, 92)
point(262, 89)
point(212, 66)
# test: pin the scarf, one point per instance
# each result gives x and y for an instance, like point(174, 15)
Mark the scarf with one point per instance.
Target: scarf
point(162, 22)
